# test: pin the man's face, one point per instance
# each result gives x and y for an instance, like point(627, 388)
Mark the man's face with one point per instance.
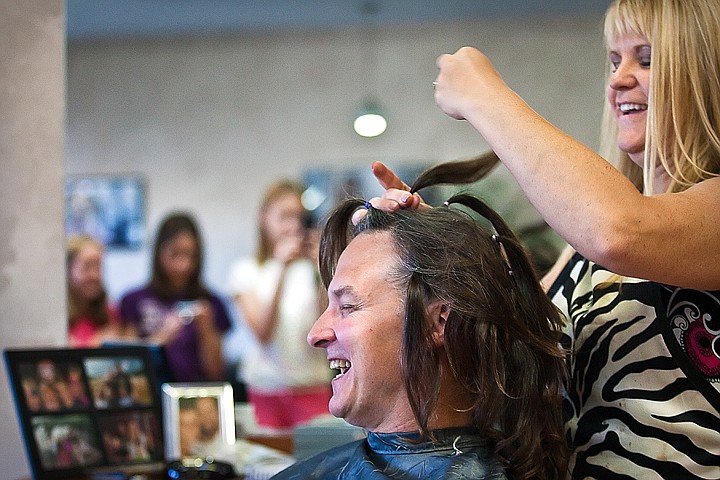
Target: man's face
point(189, 425)
point(361, 331)
point(209, 414)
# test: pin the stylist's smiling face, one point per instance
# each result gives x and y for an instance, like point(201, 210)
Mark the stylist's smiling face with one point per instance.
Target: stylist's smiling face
point(628, 91)
point(361, 330)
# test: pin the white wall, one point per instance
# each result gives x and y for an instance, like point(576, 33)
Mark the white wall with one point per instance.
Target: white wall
point(32, 280)
point(210, 122)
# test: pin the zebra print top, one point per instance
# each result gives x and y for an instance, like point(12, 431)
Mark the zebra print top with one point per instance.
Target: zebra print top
point(644, 398)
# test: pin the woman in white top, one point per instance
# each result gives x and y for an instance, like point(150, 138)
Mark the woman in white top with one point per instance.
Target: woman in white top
point(278, 293)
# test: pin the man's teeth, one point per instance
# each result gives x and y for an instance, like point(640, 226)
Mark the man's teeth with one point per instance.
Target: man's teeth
point(628, 107)
point(342, 365)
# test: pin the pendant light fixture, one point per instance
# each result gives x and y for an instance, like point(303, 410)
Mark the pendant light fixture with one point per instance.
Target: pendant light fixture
point(370, 119)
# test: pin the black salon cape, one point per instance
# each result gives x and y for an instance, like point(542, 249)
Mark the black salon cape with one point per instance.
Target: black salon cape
point(458, 453)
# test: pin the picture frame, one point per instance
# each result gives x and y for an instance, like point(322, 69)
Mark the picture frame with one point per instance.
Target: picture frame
point(109, 208)
point(84, 411)
point(199, 419)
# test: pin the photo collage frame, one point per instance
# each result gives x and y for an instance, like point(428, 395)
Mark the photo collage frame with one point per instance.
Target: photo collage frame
point(84, 410)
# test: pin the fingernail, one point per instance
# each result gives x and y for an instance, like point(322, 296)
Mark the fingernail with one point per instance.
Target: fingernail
point(405, 197)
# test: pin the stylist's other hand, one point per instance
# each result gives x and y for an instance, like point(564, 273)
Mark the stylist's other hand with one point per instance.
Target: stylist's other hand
point(466, 79)
point(396, 196)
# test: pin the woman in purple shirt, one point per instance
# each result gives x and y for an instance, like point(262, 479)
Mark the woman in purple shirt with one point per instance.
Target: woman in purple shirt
point(176, 309)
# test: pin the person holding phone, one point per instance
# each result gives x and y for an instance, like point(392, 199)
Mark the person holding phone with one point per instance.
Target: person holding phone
point(176, 309)
point(277, 293)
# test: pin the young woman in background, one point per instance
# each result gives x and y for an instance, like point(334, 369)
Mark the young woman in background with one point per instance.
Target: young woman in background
point(91, 318)
point(278, 293)
point(176, 309)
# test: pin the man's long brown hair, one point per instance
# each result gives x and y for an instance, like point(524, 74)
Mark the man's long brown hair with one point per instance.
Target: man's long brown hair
point(502, 335)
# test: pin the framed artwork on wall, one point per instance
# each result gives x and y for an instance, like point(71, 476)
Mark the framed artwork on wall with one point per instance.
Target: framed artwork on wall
point(327, 186)
point(109, 208)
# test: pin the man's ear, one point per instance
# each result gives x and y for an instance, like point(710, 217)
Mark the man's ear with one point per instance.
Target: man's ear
point(439, 313)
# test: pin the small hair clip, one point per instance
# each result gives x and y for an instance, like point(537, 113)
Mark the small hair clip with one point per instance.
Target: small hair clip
point(498, 240)
point(368, 204)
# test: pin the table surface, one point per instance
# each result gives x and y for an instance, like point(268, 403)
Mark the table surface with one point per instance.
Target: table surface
point(284, 443)
point(147, 476)
point(281, 442)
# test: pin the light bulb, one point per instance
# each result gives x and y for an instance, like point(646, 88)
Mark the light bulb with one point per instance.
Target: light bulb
point(370, 124)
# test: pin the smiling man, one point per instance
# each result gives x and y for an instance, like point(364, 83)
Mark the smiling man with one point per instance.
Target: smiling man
point(446, 350)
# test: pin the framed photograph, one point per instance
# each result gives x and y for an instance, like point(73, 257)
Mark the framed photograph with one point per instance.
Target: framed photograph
point(110, 208)
point(53, 385)
point(82, 411)
point(118, 382)
point(66, 441)
point(199, 419)
point(130, 437)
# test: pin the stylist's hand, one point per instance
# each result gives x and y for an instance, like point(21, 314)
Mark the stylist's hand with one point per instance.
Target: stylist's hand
point(466, 79)
point(396, 196)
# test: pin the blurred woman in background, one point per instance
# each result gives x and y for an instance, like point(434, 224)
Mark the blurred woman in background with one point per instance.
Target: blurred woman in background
point(277, 292)
point(176, 309)
point(91, 319)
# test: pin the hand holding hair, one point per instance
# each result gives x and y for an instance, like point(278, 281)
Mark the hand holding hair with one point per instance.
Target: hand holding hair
point(396, 196)
point(399, 195)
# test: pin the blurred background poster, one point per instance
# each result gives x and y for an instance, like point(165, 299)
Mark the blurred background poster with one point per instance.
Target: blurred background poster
point(109, 208)
point(328, 186)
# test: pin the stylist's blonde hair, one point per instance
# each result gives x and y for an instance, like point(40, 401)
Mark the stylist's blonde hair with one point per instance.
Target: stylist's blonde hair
point(684, 103)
